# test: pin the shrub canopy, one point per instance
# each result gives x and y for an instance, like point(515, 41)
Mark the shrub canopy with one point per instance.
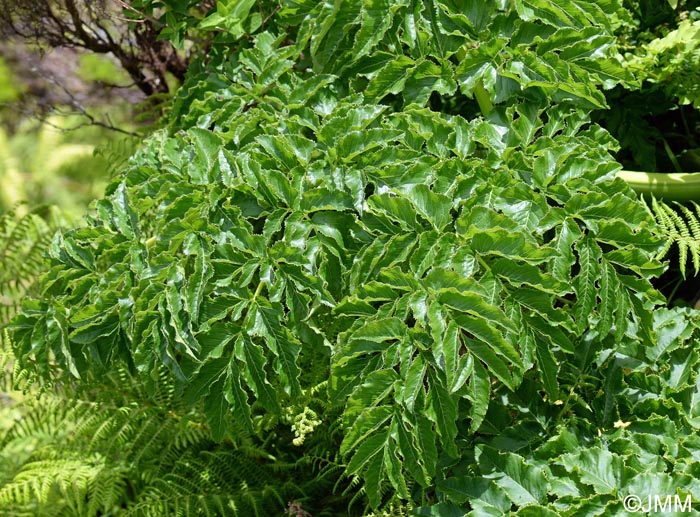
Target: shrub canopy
point(398, 210)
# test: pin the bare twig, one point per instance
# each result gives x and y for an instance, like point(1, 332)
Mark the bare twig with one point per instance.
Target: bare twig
point(92, 121)
point(78, 109)
point(145, 17)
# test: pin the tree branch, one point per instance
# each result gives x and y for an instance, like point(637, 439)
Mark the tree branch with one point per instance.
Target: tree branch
point(74, 103)
point(144, 17)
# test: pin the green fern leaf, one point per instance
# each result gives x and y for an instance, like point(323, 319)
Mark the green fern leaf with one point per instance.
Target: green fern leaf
point(679, 226)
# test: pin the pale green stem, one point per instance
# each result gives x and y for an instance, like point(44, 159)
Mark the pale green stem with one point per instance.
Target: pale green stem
point(483, 98)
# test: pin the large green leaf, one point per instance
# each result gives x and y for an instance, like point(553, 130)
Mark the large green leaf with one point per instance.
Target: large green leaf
point(524, 484)
point(596, 467)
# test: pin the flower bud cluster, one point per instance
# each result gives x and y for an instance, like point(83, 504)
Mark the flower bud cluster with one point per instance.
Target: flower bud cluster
point(304, 424)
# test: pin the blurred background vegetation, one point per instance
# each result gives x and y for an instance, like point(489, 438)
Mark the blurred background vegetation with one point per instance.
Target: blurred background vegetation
point(69, 117)
point(81, 82)
point(658, 124)
point(52, 151)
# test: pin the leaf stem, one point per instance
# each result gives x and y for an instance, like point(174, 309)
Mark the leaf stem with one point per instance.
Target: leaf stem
point(483, 98)
point(688, 133)
point(258, 290)
point(670, 186)
point(671, 156)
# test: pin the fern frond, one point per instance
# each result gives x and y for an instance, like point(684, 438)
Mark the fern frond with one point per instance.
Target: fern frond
point(664, 223)
point(393, 510)
point(680, 226)
point(116, 153)
point(112, 450)
point(24, 239)
point(13, 377)
point(57, 482)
